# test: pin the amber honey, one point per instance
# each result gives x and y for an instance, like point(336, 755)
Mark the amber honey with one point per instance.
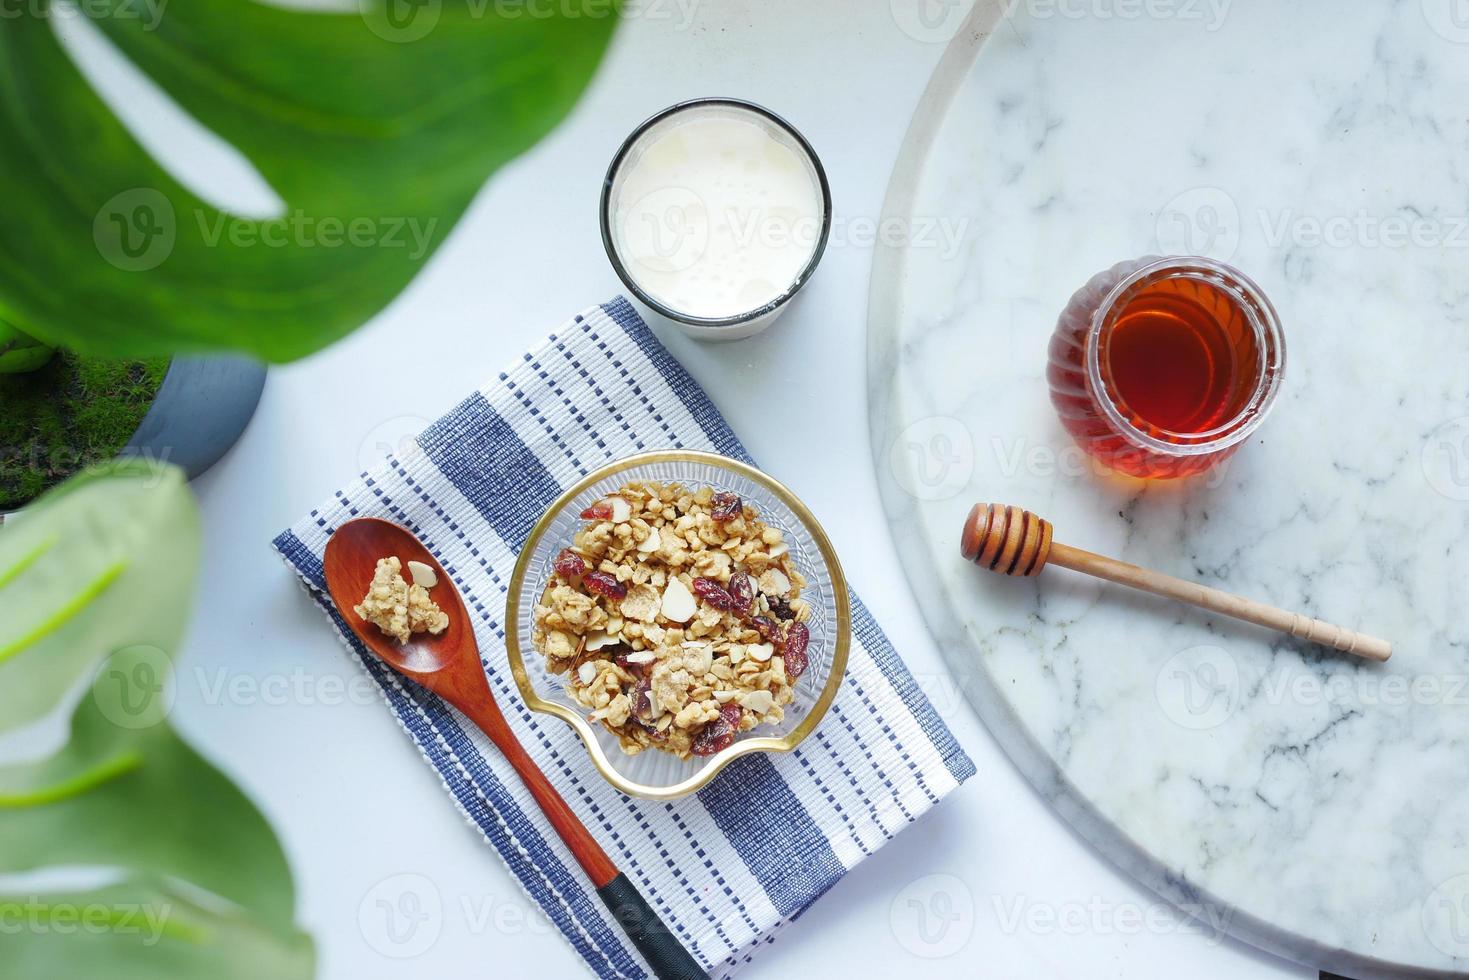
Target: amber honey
point(1160, 368)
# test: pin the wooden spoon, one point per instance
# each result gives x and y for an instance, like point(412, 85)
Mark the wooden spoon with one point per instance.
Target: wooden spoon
point(449, 666)
point(1012, 541)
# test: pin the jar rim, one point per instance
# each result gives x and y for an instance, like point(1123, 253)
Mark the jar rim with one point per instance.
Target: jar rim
point(1259, 313)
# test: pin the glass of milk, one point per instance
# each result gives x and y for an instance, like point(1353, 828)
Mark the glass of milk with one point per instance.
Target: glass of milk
point(715, 212)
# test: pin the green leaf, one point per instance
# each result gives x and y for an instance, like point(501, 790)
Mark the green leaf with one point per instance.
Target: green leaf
point(105, 561)
point(20, 352)
point(355, 120)
point(94, 585)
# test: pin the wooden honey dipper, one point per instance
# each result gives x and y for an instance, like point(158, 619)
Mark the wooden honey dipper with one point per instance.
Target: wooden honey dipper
point(1012, 541)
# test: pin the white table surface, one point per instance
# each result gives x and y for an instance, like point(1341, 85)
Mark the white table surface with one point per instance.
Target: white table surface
point(989, 884)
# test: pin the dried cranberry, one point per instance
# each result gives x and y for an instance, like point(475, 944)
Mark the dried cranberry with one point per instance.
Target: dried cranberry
point(637, 670)
point(741, 593)
point(794, 651)
point(726, 507)
point(600, 511)
point(780, 606)
point(768, 629)
point(570, 565)
point(642, 700)
point(720, 733)
point(605, 585)
point(713, 593)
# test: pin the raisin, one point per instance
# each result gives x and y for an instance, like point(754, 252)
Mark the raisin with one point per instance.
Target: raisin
point(642, 701)
point(605, 585)
point(741, 593)
point(780, 606)
point(713, 593)
point(798, 637)
point(570, 565)
point(726, 507)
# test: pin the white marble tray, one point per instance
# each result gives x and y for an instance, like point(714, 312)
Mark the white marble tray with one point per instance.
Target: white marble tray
point(1312, 805)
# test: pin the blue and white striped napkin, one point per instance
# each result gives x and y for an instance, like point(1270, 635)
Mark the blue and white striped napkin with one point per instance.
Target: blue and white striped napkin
point(729, 867)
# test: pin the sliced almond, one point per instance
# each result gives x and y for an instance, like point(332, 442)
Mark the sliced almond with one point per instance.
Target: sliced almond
point(641, 657)
point(651, 543)
point(678, 602)
point(774, 582)
point(621, 510)
point(760, 652)
point(598, 640)
point(757, 701)
point(725, 697)
point(778, 550)
point(587, 672)
point(422, 574)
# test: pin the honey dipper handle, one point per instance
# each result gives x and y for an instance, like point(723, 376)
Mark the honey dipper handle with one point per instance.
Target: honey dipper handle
point(1225, 603)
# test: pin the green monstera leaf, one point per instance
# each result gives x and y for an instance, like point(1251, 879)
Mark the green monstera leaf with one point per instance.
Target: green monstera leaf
point(375, 128)
point(94, 581)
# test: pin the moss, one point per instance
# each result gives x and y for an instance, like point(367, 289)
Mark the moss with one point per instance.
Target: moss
point(73, 412)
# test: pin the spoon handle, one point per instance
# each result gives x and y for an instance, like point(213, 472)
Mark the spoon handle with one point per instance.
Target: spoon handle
point(659, 946)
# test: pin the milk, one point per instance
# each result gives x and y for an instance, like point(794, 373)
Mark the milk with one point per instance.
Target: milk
point(715, 213)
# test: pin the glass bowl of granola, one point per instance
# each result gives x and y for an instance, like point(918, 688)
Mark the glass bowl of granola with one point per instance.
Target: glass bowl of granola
point(679, 609)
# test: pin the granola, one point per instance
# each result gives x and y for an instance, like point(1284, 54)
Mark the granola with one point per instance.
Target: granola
point(397, 608)
point(677, 616)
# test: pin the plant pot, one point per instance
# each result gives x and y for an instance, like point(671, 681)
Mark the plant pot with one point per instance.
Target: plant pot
point(200, 411)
